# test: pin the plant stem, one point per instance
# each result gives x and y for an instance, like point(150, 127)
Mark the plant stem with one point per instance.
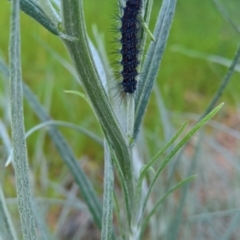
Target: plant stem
point(74, 25)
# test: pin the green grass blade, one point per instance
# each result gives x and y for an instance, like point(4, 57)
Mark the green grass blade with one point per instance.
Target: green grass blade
point(18, 132)
point(66, 124)
point(138, 210)
point(42, 225)
point(215, 214)
point(225, 15)
point(178, 185)
point(205, 56)
point(223, 84)
point(4, 136)
point(163, 114)
point(65, 152)
point(174, 226)
point(7, 230)
point(68, 157)
point(66, 64)
point(107, 216)
point(161, 151)
point(179, 146)
point(70, 195)
point(4, 69)
point(153, 60)
point(232, 64)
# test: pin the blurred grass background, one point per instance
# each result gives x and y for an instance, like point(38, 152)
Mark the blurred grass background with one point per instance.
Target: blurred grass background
point(187, 84)
point(182, 79)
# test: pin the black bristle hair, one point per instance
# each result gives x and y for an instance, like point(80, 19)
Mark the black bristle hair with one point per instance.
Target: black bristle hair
point(129, 50)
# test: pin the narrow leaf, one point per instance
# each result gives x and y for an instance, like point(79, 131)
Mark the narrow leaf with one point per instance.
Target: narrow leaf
point(205, 56)
point(162, 150)
point(153, 59)
point(107, 216)
point(58, 123)
point(153, 211)
point(65, 152)
point(66, 124)
point(138, 210)
point(68, 157)
point(34, 11)
point(179, 146)
point(6, 227)
point(18, 131)
point(223, 84)
point(225, 15)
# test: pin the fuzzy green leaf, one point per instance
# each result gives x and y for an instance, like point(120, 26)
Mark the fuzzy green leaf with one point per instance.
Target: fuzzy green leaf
point(179, 146)
point(18, 132)
point(107, 216)
point(153, 211)
point(153, 60)
point(65, 151)
point(34, 11)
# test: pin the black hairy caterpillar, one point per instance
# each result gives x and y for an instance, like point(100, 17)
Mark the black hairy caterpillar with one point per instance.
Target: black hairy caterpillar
point(130, 45)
